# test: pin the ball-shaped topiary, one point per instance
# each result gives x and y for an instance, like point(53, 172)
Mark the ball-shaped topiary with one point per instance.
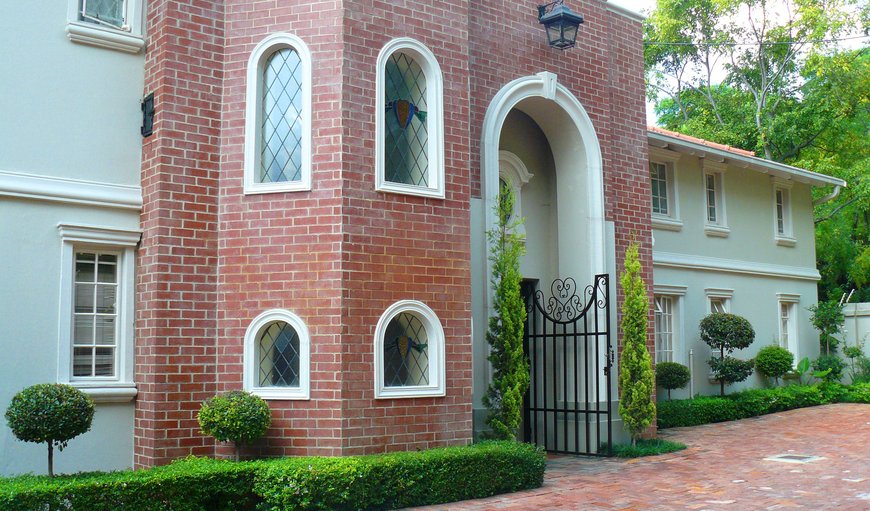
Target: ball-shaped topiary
point(237, 416)
point(50, 413)
point(774, 361)
point(725, 333)
point(672, 375)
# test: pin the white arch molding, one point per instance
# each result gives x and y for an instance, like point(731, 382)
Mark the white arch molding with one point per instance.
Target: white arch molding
point(576, 154)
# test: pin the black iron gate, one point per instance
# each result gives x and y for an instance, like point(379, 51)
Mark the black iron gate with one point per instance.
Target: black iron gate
point(567, 340)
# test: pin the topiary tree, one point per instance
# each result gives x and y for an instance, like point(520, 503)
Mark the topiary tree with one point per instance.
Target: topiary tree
point(725, 333)
point(510, 368)
point(52, 413)
point(672, 375)
point(828, 319)
point(636, 382)
point(774, 362)
point(237, 416)
point(829, 367)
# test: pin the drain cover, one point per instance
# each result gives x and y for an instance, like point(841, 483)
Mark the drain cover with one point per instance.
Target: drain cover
point(794, 458)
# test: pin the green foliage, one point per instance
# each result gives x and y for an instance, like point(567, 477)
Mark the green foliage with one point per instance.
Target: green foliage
point(755, 402)
point(510, 379)
point(831, 365)
point(237, 416)
point(50, 413)
point(726, 333)
point(351, 483)
point(636, 380)
point(774, 361)
point(859, 365)
point(672, 375)
point(646, 447)
point(827, 318)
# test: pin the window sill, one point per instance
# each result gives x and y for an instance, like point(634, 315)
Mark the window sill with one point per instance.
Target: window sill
point(667, 224)
point(285, 186)
point(420, 191)
point(86, 33)
point(408, 392)
point(281, 394)
point(108, 392)
point(716, 231)
point(786, 241)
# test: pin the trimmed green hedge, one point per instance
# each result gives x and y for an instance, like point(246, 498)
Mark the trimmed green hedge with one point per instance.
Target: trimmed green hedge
point(359, 482)
point(755, 402)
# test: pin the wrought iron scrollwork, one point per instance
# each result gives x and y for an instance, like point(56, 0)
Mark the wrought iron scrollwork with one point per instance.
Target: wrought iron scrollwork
point(565, 305)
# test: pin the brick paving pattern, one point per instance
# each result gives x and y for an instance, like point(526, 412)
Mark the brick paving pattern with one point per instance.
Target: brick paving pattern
point(724, 468)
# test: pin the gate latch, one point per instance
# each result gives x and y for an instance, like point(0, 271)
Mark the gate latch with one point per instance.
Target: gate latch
point(610, 358)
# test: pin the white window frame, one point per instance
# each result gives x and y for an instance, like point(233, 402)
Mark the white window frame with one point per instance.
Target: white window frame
point(719, 228)
point(120, 387)
point(253, 114)
point(436, 348)
point(676, 295)
point(717, 294)
point(659, 303)
point(515, 173)
point(129, 38)
point(786, 237)
point(250, 369)
point(435, 117)
point(791, 301)
point(671, 221)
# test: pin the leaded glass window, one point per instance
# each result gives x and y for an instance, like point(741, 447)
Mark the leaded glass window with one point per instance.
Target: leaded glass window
point(104, 12)
point(278, 356)
point(659, 182)
point(406, 137)
point(95, 314)
point(406, 352)
point(281, 118)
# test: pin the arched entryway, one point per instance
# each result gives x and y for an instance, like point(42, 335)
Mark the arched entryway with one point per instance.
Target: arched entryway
point(539, 138)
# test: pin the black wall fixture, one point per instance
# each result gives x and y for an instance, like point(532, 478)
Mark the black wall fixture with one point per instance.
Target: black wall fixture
point(147, 115)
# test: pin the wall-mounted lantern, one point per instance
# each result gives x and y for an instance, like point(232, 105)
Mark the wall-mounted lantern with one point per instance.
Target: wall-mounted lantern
point(561, 24)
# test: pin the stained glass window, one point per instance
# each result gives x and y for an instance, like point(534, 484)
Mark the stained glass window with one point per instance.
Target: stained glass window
point(407, 133)
point(278, 356)
point(406, 352)
point(281, 118)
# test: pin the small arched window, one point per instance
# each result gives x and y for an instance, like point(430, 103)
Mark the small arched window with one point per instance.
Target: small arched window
point(410, 121)
point(278, 116)
point(276, 356)
point(409, 352)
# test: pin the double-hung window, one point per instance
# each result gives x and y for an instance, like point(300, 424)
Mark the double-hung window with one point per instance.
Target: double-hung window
point(715, 222)
point(782, 226)
point(664, 328)
point(787, 305)
point(663, 190)
point(113, 24)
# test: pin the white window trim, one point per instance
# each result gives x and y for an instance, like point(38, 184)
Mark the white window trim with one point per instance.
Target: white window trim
point(129, 39)
point(785, 239)
point(793, 300)
point(713, 293)
point(515, 173)
point(254, 85)
point(435, 117)
point(437, 369)
point(671, 221)
point(254, 330)
point(719, 228)
point(121, 387)
point(677, 293)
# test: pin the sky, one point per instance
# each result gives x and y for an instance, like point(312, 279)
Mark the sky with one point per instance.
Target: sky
point(635, 5)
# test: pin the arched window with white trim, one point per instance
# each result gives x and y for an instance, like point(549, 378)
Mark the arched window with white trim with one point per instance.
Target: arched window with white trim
point(410, 120)
point(278, 116)
point(277, 356)
point(409, 352)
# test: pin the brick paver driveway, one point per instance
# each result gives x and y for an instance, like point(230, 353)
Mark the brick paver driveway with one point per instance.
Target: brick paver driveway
point(724, 468)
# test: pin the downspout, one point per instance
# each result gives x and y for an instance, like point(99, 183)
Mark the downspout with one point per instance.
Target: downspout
point(827, 198)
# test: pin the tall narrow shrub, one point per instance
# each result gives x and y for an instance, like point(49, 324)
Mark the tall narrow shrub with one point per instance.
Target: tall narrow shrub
point(636, 381)
point(510, 380)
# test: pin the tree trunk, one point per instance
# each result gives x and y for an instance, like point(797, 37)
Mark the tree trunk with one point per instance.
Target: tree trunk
point(50, 459)
point(238, 451)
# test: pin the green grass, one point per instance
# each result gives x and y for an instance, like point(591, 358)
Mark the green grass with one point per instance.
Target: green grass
point(644, 447)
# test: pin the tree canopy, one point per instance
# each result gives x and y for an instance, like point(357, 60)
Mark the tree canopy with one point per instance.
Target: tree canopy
point(770, 76)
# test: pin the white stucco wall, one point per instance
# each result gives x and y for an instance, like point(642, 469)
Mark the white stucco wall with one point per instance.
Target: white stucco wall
point(857, 325)
point(72, 112)
point(748, 262)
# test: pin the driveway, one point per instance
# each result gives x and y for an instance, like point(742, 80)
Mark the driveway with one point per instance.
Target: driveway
point(727, 466)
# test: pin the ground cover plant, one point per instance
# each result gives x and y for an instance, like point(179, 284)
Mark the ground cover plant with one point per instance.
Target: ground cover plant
point(646, 447)
point(377, 482)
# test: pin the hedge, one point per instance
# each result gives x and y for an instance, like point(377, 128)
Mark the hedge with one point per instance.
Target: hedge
point(752, 403)
point(385, 481)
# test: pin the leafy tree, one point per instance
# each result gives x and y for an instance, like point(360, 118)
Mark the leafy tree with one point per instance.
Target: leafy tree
point(636, 382)
point(726, 333)
point(774, 362)
point(51, 413)
point(672, 375)
point(827, 317)
point(510, 379)
point(237, 416)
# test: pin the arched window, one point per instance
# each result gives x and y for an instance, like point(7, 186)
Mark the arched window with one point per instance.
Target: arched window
point(278, 116)
point(276, 356)
point(513, 174)
point(410, 120)
point(409, 352)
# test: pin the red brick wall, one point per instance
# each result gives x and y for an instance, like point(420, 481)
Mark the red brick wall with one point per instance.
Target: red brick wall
point(176, 293)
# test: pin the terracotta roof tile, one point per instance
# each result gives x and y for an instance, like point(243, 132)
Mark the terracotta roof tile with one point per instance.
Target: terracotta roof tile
point(701, 141)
